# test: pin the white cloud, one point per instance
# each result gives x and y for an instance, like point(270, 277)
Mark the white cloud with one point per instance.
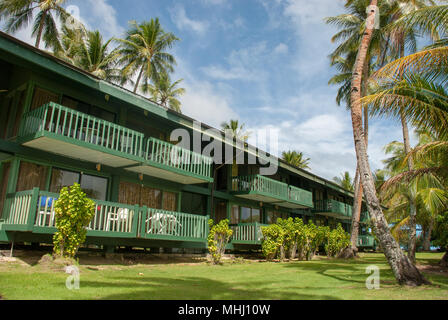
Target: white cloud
point(99, 14)
point(182, 21)
point(243, 64)
point(281, 49)
point(308, 12)
point(204, 101)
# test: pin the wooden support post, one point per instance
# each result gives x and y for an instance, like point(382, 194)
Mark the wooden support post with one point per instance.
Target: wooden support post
point(12, 245)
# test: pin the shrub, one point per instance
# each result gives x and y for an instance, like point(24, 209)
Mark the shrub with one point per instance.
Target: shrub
point(289, 236)
point(273, 241)
point(218, 238)
point(337, 241)
point(73, 212)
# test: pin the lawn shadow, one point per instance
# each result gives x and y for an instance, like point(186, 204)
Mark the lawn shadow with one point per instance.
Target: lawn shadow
point(197, 288)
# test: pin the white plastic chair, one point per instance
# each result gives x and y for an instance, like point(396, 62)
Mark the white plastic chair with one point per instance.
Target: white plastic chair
point(119, 217)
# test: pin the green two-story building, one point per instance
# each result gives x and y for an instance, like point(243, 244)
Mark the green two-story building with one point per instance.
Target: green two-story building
point(60, 125)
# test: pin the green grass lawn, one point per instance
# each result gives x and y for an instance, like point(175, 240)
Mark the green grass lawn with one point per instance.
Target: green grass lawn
point(318, 279)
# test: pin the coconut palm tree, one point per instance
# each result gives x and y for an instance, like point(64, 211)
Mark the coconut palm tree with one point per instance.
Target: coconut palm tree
point(165, 92)
point(95, 57)
point(144, 52)
point(352, 25)
point(236, 130)
point(296, 159)
point(42, 13)
point(345, 181)
point(71, 40)
point(404, 270)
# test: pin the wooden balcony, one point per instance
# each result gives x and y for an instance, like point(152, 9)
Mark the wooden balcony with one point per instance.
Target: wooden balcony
point(33, 211)
point(263, 189)
point(167, 161)
point(247, 233)
point(333, 208)
point(366, 241)
point(64, 131)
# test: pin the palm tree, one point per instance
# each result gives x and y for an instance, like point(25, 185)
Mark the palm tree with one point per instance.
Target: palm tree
point(94, 57)
point(236, 130)
point(20, 13)
point(404, 270)
point(165, 92)
point(345, 181)
point(352, 25)
point(143, 52)
point(71, 40)
point(296, 159)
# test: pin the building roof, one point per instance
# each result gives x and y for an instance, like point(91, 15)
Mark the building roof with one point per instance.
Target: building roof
point(46, 60)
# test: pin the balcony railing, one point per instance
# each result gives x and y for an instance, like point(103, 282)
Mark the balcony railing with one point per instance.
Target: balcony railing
point(333, 206)
point(272, 190)
point(34, 211)
point(366, 241)
point(177, 158)
point(247, 233)
point(300, 196)
point(260, 184)
point(104, 142)
point(169, 225)
point(81, 129)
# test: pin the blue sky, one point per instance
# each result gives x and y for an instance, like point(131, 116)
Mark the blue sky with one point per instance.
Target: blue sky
point(263, 62)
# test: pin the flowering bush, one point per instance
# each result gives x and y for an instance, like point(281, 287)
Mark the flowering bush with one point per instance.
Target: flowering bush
point(218, 238)
point(73, 212)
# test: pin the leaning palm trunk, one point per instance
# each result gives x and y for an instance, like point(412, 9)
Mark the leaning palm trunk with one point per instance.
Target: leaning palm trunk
point(41, 29)
point(404, 270)
point(357, 201)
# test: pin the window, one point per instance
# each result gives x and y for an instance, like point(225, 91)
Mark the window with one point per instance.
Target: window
point(31, 176)
point(235, 215)
point(245, 215)
point(256, 216)
point(61, 179)
point(249, 215)
point(194, 203)
point(94, 187)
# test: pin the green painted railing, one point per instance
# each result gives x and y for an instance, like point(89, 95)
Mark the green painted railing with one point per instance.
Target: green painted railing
point(167, 154)
point(81, 128)
point(300, 196)
point(109, 216)
point(170, 225)
point(260, 184)
point(18, 207)
point(333, 206)
point(366, 241)
point(247, 233)
point(34, 211)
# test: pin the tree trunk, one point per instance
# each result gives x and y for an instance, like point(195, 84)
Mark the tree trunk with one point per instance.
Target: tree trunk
point(412, 203)
point(357, 203)
point(138, 79)
point(444, 261)
point(404, 270)
point(41, 28)
point(427, 236)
